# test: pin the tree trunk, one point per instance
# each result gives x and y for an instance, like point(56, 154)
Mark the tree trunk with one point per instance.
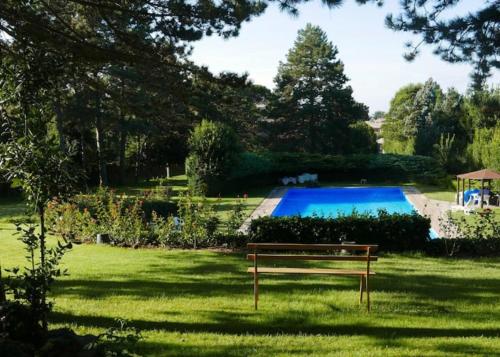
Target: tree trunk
point(123, 140)
point(137, 157)
point(43, 297)
point(3, 297)
point(83, 156)
point(103, 173)
point(59, 125)
point(123, 145)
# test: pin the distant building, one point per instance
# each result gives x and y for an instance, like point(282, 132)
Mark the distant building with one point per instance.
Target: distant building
point(376, 125)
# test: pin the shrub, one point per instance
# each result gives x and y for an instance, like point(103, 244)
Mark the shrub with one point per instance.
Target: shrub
point(464, 247)
point(468, 236)
point(124, 219)
point(198, 221)
point(213, 150)
point(233, 241)
point(64, 219)
point(270, 166)
point(161, 208)
point(235, 218)
point(480, 226)
point(124, 223)
point(393, 232)
point(165, 231)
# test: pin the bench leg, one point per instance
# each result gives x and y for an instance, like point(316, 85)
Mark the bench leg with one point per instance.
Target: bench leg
point(256, 289)
point(361, 288)
point(367, 293)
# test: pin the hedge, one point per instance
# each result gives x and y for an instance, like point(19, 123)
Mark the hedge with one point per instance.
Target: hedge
point(392, 166)
point(392, 232)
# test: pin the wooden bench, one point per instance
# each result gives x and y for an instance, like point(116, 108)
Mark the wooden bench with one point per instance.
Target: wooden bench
point(281, 251)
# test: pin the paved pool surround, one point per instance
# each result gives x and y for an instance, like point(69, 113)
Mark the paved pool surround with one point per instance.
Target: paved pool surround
point(424, 206)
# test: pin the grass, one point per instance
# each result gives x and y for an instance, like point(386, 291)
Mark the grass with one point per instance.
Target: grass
point(200, 303)
point(224, 203)
point(437, 193)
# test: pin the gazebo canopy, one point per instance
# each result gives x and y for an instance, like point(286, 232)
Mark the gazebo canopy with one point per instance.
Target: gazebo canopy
point(484, 174)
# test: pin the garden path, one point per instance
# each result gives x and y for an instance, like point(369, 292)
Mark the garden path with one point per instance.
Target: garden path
point(266, 207)
point(434, 209)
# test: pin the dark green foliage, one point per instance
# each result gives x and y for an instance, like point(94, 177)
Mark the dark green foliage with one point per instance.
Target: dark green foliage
point(231, 241)
point(470, 38)
point(313, 104)
point(162, 208)
point(38, 167)
point(233, 100)
point(483, 108)
point(393, 232)
point(458, 130)
point(411, 123)
point(17, 323)
point(271, 166)
point(125, 32)
point(29, 287)
point(117, 341)
point(484, 151)
point(362, 138)
point(13, 348)
point(213, 151)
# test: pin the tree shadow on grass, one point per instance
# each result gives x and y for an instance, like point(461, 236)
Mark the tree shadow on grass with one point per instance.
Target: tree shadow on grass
point(229, 287)
point(436, 287)
point(223, 322)
point(230, 350)
point(220, 277)
point(187, 348)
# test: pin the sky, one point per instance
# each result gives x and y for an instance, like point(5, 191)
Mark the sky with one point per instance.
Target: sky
point(372, 54)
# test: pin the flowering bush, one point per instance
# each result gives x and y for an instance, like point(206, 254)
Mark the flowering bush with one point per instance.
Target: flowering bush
point(127, 224)
point(165, 231)
point(198, 220)
point(102, 213)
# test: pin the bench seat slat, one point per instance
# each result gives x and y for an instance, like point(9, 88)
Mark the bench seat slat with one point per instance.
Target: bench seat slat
point(296, 246)
point(307, 271)
point(358, 258)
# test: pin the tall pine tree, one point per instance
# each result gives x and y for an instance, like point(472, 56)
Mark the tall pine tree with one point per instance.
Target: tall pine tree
point(314, 105)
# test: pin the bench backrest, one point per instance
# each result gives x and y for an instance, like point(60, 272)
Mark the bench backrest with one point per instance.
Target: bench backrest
point(368, 248)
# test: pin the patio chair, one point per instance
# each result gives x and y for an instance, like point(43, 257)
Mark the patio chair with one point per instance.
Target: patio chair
point(476, 197)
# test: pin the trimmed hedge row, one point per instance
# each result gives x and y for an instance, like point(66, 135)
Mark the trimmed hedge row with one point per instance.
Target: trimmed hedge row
point(393, 232)
point(386, 166)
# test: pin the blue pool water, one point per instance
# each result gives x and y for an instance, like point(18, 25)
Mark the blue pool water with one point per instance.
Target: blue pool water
point(334, 202)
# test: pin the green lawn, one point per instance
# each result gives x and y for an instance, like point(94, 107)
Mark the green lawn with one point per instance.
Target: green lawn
point(437, 193)
point(224, 203)
point(200, 303)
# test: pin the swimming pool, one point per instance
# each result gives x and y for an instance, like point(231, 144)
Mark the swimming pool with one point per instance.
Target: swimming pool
point(334, 202)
